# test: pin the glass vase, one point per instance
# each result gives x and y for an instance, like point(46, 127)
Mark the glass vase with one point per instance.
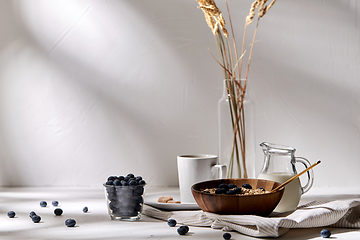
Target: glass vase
point(236, 130)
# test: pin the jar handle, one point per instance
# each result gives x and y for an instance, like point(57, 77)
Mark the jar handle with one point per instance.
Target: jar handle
point(310, 174)
point(221, 168)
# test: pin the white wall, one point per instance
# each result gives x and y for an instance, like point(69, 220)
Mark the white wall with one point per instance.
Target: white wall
point(95, 88)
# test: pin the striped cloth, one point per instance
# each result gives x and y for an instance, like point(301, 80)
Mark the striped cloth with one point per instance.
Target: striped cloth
point(340, 213)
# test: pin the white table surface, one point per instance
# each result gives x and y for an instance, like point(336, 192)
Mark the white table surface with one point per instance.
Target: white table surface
point(96, 224)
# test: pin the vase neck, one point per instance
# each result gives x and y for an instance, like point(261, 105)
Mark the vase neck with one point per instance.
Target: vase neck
point(234, 85)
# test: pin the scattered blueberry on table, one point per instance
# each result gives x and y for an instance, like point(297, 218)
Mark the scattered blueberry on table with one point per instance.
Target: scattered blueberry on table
point(172, 222)
point(58, 211)
point(227, 236)
point(182, 230)
point(325, 233)
point(36, 218)
point(55, 203)
point(85, 209)
point(43, 203)
point(31, 214)
point(70, 222)
point(11, 214)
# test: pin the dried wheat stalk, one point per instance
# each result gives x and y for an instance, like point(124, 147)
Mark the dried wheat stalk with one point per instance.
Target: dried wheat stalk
point(213, 16)
point(216, 22)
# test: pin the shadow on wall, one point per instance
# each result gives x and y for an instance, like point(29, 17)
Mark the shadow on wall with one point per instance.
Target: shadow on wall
point(99, 53)
point(318, 77)
point(94, 49)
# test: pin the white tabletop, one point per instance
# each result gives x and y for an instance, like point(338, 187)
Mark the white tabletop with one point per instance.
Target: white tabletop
point(96, 224)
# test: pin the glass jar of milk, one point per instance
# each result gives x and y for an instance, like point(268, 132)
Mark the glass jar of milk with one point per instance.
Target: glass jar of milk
point(279, 166)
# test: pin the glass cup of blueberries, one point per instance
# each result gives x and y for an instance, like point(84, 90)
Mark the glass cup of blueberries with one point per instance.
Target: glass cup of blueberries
point(124, 197)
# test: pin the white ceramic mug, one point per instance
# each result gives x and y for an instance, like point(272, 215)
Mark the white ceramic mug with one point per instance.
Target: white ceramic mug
point(196, 168)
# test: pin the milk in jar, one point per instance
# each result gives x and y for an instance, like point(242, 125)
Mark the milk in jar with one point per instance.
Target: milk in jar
point(292, 192)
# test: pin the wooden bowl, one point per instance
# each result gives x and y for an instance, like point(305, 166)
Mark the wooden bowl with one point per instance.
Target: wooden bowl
point(260, 204)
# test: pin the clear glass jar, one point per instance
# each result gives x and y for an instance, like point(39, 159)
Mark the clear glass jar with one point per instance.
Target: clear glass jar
point(238, 153)
point(124, 202)
point(279, 166)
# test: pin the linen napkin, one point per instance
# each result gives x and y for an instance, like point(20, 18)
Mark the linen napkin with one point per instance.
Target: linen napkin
point(340, 213)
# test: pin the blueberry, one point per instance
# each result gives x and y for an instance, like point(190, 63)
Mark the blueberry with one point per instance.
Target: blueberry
point(111, 178)
point(130, 175)
point(85, 209)
point(226, 235)
point(70, 222)
point(182, 230)
point(138, 208)
point(55, 203)
point(138, 178)
point(139, 190)
point(36, 218)
point(117, 182)
point(325, 233)
point(139, 199)
point(247, 186)
point(111, 205)
point(43, 203)
point(262, 189)
point(220, 191)
point(205, 191)
point(131, 212)
point(112, 196)
point(224, 185)
point(231, 186)
point(11, 214)
point(142, 182)
point(237, 190)
point(133, 182)
point(31, 214)
point(58, 211)
point(124, 183)
point(172, 222)
point(110, 189)
point(230, 192)
point(120, 178)
point(109, 183)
